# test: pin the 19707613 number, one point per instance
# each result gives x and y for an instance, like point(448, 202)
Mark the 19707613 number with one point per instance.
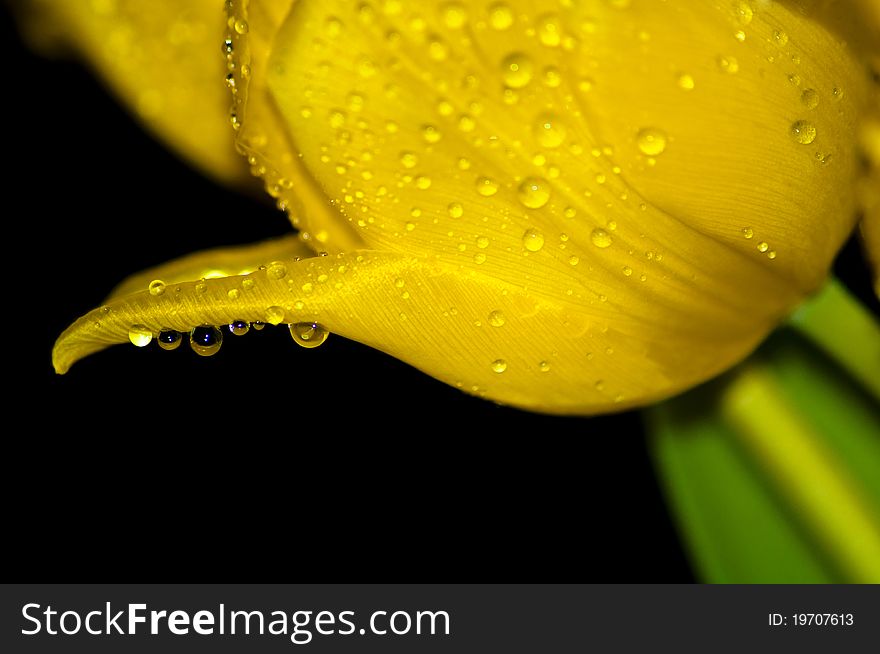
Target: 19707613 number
point(822, 619)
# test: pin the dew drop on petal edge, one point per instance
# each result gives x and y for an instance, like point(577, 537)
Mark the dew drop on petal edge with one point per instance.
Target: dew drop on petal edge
point(239, 327)
point(206, 340)
point(139, 335)
point(276, 270)
point(274, 315)
point(157, 287)
point(169, 339)
point(308, 334)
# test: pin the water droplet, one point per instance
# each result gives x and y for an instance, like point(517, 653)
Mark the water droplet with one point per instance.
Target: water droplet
point(533, 192)
point(308, 334)
point(499, 365)
point(533, 240)
point(549, 30)
point(482, 242)
point(409, 159)
point(332, 27)
point(169, 339)
point(771, 254)
point(496, 318)
point(233, 293)
point(516, 70)
point(480, 257)
point(366, 67)
point(803, 132)
point(486, 186)
point(549, 131)
point(438, 50)
point(276, 270)
point(686, 82)
point(239, 327)
point(743, 12)
point(430, 133)
point(543, 366)
point(600, 238)
point(139, 335)
point(551, 77)
point(727, 64)
point(763, 246)
point(423, 182)
point(466, 123)
point(205, 340)
point(241, 26)
point(809, 98)
point(574, 260)
point(651, 141)
point(336, 119)
point(748, 232)
point(500, 16)
point(627, 271)
point(274, 315)
point(454, 15)
point(780, 38)
point(455, 209)
point(258, 326)
point(247, 283)
point(157, 287)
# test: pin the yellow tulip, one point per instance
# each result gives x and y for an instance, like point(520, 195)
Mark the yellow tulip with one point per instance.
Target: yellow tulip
point(576, 210)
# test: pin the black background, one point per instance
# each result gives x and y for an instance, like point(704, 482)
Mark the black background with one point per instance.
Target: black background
point(266, 461)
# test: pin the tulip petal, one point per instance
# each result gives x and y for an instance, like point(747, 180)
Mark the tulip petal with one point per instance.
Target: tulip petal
point(861, 28)
point(219, 262)
point(759, 107)
point(379, 110)
point(162, 59)
point(262, 136)
point(491, 339)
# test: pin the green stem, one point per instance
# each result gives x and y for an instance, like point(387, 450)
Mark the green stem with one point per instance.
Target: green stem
point(804, 470)
point(841, 327)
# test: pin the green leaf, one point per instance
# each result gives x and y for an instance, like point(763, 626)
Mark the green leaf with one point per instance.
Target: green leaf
point(735, 527)
point(773, 472)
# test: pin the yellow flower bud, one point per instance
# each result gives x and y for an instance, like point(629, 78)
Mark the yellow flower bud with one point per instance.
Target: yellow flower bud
point(573, 211)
